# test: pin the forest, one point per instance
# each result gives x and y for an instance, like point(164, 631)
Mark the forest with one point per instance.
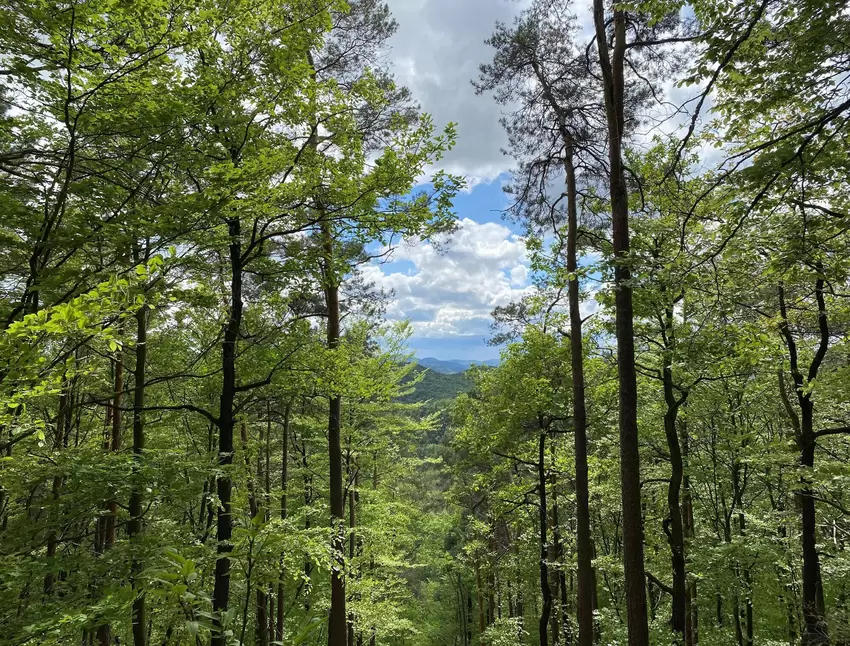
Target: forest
point(212, 433)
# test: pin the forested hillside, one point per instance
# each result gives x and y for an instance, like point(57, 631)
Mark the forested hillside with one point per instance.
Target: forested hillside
point(431, 386)
point(451, 366)
point(213, 432)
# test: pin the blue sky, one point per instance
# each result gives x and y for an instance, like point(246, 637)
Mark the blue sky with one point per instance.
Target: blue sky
point(449, 297)
point(449, 292)
point(436, 52)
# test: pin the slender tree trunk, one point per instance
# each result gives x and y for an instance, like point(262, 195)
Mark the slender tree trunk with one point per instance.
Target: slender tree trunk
point(461, 609)
point(749, 607)
point(63, 420)
point(284, 485)
point(264, 472)
point(555, 554)
point(495, 585)
point(692, 620)
point(337, 618)
point(584, 547)
point(468, 617)
point(747, 610)
point(719, 609)
point(479, 597)
point(674, 526)
point(254, 509)
point(545, 590)
point(308, 500)
point(226, 422)
point(814, 614)
point(139, 611)
point(104, 631)
point(739, 632)
point(253, 504)
point(115, 447)
point(743, 614)
point(491, 597)
point(613, 81)
point(520, 607)
point(352, 538)
point(816, 632)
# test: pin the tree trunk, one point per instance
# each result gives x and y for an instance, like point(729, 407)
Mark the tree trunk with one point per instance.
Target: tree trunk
point(254, 509)
point(691, 610)
point(584, 546)
point(739, 633)
point(468, 618)
point(814, 615)
point(613, 82)
point(555, 554)
point(674, 526)
point(491, 599)
point(308, 500)
point(284, 484)
point(63, 420)
point(337, 618)
point(113, 444)
point(226, 422)
point(545, 590)
point(461, 610)
point(479, 597)
point(139, 611)
point(815, 631)
point(115, 447)
point(352, 538)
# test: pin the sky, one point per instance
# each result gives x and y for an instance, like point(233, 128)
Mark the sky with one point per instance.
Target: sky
point(449, 295)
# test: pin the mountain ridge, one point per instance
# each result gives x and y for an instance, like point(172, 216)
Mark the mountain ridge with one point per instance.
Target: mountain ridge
point(452, 366)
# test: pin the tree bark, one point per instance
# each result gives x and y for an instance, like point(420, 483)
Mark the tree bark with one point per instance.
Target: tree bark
point(63, 421)
point(337, 618)
point(814, 614)
point(261, 627)
point(226, 422)
point(584, 547)
point(468, 618)
point(691, 609)
point(555, 555)
point(308, 500)
point(352, 524)
point(545, 590)
point(613, 81)
point(113, 444)
point(675, 527)
point(284, 484)
point(479, 597)
point(815, 631)
point(115, 447)
point(139, 611)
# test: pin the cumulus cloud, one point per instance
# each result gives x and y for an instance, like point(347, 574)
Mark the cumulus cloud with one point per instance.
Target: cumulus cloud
point(436, 53)
point(451, 291)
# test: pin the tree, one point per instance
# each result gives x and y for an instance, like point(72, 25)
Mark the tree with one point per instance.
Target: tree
point(539, 66)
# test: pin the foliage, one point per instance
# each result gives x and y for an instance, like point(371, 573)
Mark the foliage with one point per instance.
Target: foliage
point(195, 376)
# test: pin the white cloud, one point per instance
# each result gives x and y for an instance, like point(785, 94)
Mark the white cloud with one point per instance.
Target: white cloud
point(519, 275)
point(436, 53)
point(451, 291)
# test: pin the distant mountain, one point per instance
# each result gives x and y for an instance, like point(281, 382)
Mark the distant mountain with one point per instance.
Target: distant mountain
point(452, 366)
point(437, 386)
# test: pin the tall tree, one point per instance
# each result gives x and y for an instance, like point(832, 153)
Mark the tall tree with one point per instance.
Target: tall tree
point(612, 62)
point(539, 66)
